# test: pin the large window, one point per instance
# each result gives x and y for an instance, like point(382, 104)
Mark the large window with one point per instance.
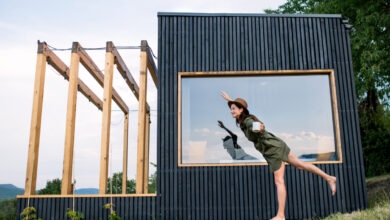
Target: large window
point(300, 107)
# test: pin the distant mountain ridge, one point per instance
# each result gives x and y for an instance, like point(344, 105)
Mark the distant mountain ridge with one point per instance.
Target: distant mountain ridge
point(87, 191)
point(8, 191)
point(9, 186)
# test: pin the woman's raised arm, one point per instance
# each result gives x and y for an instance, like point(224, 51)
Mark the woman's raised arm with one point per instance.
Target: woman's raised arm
point(225, 96)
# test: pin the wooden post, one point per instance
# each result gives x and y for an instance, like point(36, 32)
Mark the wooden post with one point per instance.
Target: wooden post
point(66, 187)
point(141, 120)
point(104, 153)
point(146, 156)
point(35, 129)
point(125, 153)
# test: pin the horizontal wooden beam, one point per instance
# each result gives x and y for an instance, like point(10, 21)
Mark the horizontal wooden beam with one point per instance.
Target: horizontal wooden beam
point(94, 70)
point(152, 67)
point(63, 69)
point(126, 74)
point(87, 196)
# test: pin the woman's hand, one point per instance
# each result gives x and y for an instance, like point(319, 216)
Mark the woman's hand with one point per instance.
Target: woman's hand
point(221, 124)
point(262, 127)
point(225, 96)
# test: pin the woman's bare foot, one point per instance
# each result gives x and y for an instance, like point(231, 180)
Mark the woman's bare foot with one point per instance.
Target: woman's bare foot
point(332, 184)
point(279, 218)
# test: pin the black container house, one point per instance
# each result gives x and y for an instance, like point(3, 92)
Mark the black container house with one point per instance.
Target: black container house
point(201, 43)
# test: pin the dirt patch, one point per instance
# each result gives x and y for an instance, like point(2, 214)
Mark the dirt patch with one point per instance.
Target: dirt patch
point(378, 191)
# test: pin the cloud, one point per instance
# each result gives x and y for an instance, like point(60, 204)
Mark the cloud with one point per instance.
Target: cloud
point(312, 136)
point(305, 135)
point(220, 133)
point(290, 136)
point(194, 152)
point(308, 142)
point(202, 130)
point(263, 83)
point(308, 134)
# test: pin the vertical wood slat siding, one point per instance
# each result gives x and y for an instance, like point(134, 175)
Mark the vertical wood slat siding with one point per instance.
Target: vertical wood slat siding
point(92, 207)
point(221, 43)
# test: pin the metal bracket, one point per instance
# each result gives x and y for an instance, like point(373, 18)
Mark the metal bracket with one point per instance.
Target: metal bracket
point(75, 47)
point(109, 46)
point(144, 45)
point(41, 46)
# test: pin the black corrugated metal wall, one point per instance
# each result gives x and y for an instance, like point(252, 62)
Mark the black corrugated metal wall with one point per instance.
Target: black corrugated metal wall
point(233, 42)
point(92, 207)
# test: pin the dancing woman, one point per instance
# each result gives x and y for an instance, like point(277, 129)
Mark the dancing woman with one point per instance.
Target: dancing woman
point(274, 150)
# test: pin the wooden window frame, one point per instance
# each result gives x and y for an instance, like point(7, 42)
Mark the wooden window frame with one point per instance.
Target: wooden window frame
point(333, 95)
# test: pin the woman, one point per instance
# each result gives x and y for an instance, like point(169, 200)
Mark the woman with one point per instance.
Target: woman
point(275, 151)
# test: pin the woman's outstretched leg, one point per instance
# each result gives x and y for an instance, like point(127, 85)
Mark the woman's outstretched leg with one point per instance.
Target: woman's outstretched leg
point(281, 190)
point(302, 165)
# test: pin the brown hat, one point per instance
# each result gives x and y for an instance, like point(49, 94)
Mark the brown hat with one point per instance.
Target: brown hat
point(239, 101)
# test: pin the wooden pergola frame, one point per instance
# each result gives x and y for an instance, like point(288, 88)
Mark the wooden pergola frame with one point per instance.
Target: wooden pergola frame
point(79, 55)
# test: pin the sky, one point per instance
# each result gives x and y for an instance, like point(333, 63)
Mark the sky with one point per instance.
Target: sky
point(295, 108)
point(91, 23)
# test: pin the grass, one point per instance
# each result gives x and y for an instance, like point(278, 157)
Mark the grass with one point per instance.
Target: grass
point(378, 196)
point(377, 178)
point(379, 211)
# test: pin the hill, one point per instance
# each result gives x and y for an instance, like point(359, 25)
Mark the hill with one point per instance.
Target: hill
point(87, 191)
point(8, 191)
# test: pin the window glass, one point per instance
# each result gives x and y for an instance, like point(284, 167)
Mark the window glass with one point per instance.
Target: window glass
point(295, 108)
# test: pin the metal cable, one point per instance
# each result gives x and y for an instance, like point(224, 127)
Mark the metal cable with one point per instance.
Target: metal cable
point(95, 48)
point(155, 57)
point(57, 49)
point(103, 48)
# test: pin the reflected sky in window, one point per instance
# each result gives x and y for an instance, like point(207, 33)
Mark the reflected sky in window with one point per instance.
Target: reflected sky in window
point(296, 108)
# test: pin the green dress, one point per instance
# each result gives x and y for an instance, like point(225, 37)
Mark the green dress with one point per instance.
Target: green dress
point(274, 149)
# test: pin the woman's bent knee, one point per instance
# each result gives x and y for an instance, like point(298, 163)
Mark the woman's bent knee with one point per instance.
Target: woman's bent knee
point(301, 166)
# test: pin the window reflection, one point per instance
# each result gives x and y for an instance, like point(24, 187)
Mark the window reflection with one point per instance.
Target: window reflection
point(296, 108)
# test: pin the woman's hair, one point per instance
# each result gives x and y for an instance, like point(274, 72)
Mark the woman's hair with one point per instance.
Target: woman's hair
point(244, 115)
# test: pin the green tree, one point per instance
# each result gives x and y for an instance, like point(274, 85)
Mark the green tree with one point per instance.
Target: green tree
point(8, 209)
point(116, 181)
point(52, 187)
point(370, 43)
point(375, 132)
point(152, 180)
